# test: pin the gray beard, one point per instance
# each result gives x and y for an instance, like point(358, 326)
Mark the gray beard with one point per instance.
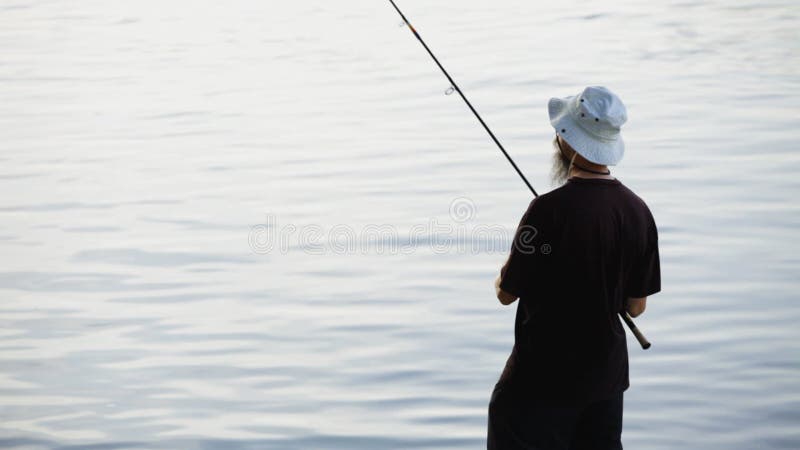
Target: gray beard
point(561, 165)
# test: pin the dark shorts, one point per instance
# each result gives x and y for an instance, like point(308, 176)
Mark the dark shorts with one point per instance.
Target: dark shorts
point(522, 424)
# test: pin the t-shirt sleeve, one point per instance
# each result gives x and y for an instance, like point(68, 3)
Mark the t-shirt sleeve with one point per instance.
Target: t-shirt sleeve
point(645, 275)
point(516, 274)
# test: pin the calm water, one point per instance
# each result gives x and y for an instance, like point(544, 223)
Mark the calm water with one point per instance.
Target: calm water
point(154, 157)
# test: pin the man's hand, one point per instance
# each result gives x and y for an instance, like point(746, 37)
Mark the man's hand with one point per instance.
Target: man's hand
point(504, 297)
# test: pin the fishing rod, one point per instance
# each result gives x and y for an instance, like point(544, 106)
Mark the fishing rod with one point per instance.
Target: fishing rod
point(454, 87)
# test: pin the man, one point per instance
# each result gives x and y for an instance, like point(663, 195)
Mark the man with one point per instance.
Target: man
point(583, 253)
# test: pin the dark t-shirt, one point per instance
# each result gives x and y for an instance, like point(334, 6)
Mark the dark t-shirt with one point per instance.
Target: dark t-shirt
point(580, 251)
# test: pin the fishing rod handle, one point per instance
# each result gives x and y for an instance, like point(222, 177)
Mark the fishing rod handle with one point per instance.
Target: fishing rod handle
point(635, 330)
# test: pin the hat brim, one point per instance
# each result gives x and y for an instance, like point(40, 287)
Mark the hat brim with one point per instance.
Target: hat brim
point(605, 152)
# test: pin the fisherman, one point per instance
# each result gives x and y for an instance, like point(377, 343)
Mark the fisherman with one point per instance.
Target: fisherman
point(582, 253)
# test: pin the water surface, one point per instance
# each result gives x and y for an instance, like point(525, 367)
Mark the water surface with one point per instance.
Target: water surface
point(148, 149)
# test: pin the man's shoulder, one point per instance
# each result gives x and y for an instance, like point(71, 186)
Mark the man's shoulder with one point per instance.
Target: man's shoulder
point(560, 196)
point(538, 205)
point(553, 196)
point(636, 210)
point(633, 198)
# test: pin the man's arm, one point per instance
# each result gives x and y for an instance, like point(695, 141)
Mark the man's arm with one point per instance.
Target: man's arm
point(645, 276)
point(504, 297)
point(515, 275)
point(636, 306)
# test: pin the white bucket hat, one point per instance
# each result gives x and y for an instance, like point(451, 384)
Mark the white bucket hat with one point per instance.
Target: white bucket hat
point(590, 123)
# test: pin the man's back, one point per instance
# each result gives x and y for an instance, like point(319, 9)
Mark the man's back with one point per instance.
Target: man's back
point(595, 245)
point(583, 254)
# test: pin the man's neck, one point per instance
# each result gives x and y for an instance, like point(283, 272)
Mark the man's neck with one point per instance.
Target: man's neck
point(576, 172)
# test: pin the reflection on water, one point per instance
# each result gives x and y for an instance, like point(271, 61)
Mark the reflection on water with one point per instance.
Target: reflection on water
point(142, 142)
